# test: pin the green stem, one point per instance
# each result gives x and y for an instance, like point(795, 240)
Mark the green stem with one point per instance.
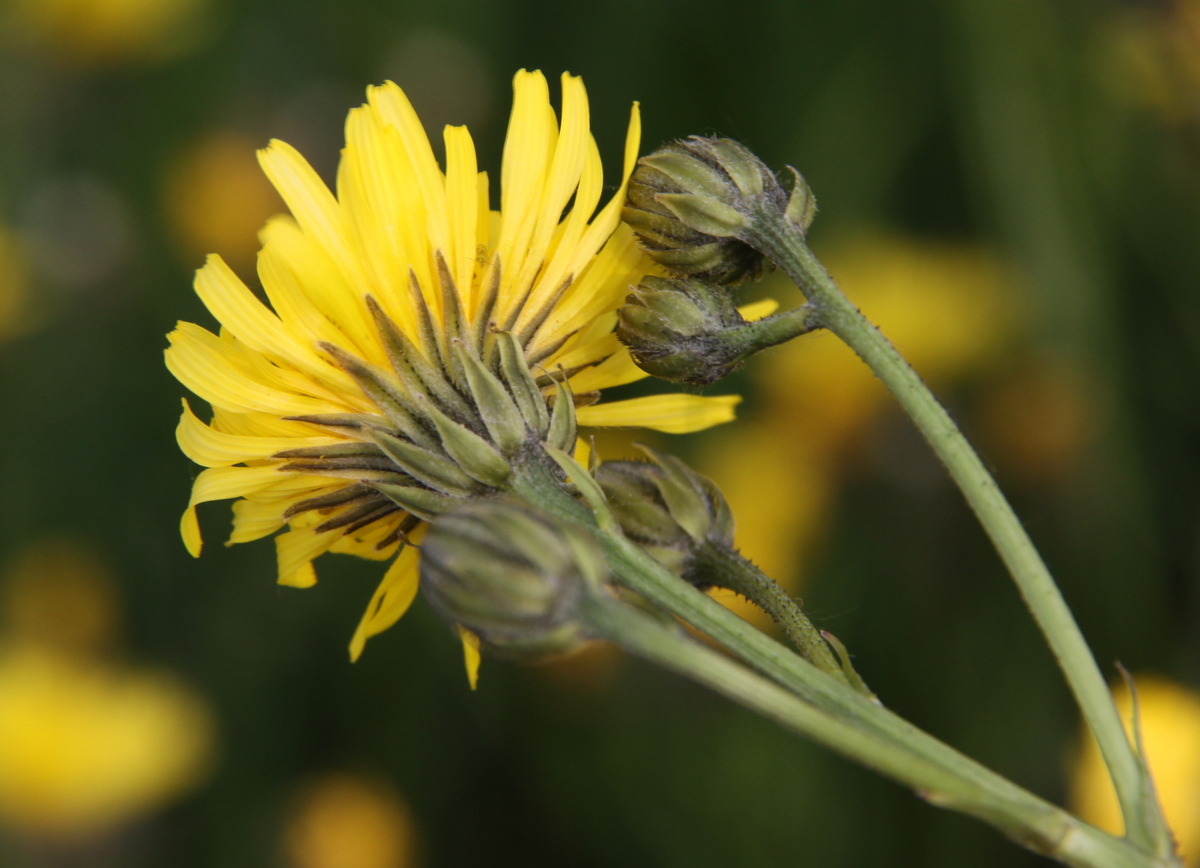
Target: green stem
point(725, 568)
point(641, 573)
point(772, 330)
point(785, 245)
point(1032, 821)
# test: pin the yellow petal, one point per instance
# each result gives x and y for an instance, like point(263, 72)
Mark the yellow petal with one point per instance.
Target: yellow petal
point(617, 370)
point(311, 203)
point(295, 551)
point(395, 109)
point(673, 414)
point(212, 448)
point(325, 284)
point(570, 154)
point(462, 203)
point(364, 543)
point(222, 483)
point(528, 146)
point(218, 373)
point(609, 217)
point(470, 643)
point(255, 519)
point(390, 600)
point(758, 309)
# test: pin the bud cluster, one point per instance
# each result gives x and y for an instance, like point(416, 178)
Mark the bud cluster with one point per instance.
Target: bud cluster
point(698, 206)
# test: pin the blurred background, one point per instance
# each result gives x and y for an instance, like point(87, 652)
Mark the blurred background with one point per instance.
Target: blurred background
point(1011, 189)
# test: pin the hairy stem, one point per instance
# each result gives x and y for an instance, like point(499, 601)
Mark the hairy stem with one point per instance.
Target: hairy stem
point(725, 568)
point(785, 245)
point(851, 709)
point(1032, 821)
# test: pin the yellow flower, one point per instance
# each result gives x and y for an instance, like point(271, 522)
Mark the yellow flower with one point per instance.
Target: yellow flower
point(87, 744)
point(86, 747)
point(1170, 723)
point(217, 199)
point(345, 821)
point(14, 285)
point(99, 31)
point(409, 325)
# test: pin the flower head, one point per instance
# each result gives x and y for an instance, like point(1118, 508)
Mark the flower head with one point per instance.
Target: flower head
point(417, 343)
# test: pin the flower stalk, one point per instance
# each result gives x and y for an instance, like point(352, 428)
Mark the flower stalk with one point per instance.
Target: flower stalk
point(1139, 805)
point(834, 713)
point(1033, 822)
point(729, 211)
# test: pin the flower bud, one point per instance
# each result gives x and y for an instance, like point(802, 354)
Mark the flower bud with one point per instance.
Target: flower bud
point(667, 508)
point(688, 331)
point(694, 202)
point(511, 574)
point(674, 329)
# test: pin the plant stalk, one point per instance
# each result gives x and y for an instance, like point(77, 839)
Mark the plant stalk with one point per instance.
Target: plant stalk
point(1033, 822)
point(725, 568)
point(851, 709)
point(785, 245)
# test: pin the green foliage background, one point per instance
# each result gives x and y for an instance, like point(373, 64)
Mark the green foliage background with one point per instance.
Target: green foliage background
point(966, 119)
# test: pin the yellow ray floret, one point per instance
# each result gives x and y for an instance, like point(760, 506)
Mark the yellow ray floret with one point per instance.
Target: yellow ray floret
point(398, 274)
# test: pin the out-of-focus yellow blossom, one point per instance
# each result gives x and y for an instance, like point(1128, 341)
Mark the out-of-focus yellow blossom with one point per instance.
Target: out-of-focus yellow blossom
point(1170, 724)
point(86, 745)
point(1151, 58)
point(85, 748)
point(58, 595)
point(218, 199)
point(1036, 423)
point(14, 284)
point(947, 307)
point(104, 31)
point(344, 821)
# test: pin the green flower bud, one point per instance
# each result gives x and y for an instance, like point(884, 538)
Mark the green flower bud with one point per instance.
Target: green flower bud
point(688, 331)
point(693, 204)
point(511, 574)
point(667, 508)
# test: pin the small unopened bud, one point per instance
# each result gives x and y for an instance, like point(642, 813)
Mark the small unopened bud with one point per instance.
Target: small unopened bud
point(688, 331)
point(694, 203)
point(667, 508)
point(511, 574)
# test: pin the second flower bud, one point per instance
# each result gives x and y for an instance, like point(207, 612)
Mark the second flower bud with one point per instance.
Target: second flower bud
point(688, 331)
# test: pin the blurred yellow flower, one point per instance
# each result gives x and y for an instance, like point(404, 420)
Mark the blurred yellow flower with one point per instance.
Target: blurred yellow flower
point(1170, 721)
point(14, 284)
point(99, 31)
point(218, 198)
point(86, 745)
point(1037, 421)
point(947, 307)
point(58, 595)
point(344, 821)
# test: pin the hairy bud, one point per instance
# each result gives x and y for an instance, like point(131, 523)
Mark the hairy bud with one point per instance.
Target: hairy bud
point(694, 202)
point(511, 574)
point(667, 508)
point(688, 331)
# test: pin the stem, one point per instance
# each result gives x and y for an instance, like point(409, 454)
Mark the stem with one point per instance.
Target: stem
point(723, 567)
point(1032, 821)
point(776, 329)
point(785, 245)
point(638, 571)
